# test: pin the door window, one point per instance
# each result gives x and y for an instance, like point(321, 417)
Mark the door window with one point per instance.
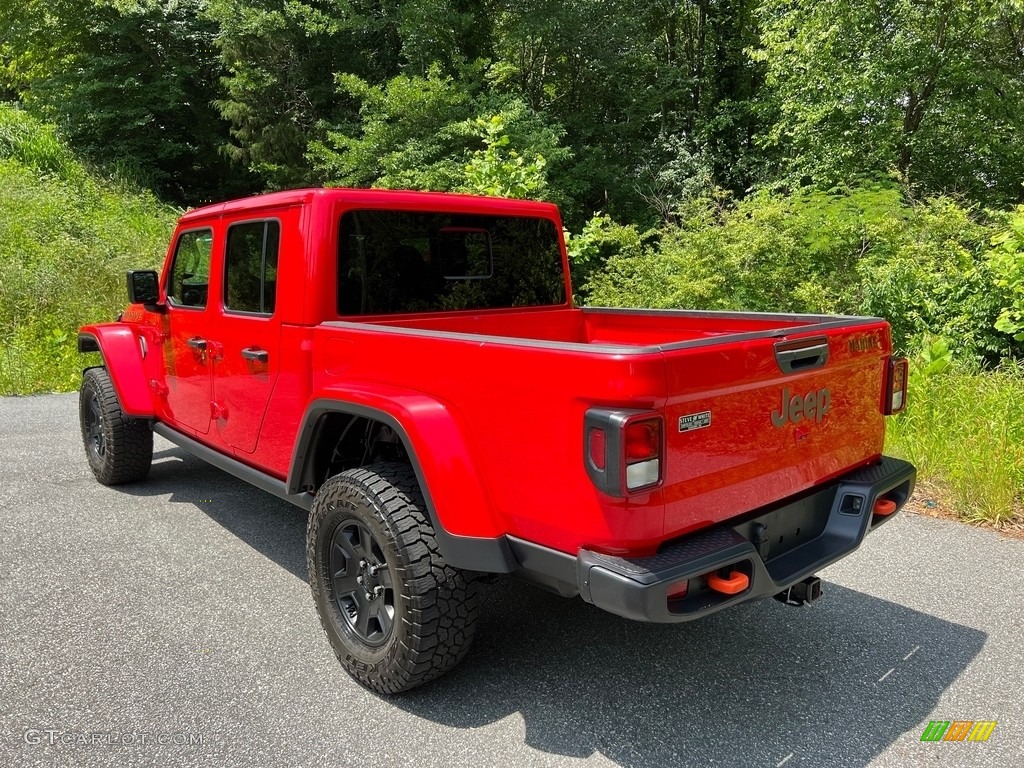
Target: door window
point(250, 269)
point(190, 272)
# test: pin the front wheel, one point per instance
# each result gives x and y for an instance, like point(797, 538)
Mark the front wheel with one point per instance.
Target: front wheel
point(395, 613)
point(118, 447)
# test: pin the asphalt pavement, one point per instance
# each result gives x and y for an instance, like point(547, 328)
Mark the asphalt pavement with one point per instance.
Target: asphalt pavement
point(169, 623)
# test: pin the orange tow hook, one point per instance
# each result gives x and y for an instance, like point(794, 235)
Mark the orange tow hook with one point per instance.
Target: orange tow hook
point(736, 583)
point(885, 507)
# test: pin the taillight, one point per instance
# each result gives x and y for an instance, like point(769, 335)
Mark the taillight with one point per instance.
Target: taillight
point(623, 450)
point(643, 453)
point(896, 386)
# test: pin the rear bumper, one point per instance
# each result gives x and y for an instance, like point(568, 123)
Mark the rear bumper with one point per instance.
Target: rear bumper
point(775, 548)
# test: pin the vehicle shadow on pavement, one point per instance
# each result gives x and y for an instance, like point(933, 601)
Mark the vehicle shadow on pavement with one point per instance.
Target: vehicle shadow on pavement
point(269, 525)
point(833, 684)
point(747, 686)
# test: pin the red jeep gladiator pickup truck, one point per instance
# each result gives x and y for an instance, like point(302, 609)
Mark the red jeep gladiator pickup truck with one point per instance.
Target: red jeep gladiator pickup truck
point(411, 369)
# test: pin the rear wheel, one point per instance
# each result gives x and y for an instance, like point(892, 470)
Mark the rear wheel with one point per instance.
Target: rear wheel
point(395, 613)
point(119, 448)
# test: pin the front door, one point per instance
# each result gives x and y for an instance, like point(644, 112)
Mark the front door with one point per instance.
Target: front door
point(186, 350)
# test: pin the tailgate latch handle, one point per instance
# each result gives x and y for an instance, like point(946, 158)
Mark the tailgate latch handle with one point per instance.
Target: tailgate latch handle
point(801, 355)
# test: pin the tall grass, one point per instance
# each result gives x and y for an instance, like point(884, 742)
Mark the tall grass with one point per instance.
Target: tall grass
point(67, 236)
point(965, 432)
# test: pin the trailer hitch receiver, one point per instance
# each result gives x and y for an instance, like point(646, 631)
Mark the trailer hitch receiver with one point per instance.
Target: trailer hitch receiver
point(802, 593)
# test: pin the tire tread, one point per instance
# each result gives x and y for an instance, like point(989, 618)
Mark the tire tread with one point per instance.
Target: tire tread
point(129, 442)
point(441, 601)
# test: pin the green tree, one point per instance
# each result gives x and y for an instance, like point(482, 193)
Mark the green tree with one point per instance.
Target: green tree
point(421, 132)
point(933, 91)
point(449, 33)
point(700, 48)
point(282, 59)
point(410, 132)
point(130, 82)
point(655, 97)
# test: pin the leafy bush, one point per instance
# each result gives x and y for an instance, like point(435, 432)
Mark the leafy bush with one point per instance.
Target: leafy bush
point(932, 277)
point(66, 240)
point(1006, 262)
point(766, 252)
point(499, 170)
point(860, 250)
point(600, 240)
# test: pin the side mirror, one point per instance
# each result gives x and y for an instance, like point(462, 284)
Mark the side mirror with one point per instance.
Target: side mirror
point(144, 287)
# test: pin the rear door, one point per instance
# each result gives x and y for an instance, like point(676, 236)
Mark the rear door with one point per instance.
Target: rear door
point(186, 348)
point(247, 354)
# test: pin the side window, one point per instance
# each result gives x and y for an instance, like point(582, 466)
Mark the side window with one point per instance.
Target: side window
point(250, 269)
point(190, 272)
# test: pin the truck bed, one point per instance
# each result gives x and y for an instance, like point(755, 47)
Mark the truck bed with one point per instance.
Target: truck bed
point(642, 329)
point(529, 376)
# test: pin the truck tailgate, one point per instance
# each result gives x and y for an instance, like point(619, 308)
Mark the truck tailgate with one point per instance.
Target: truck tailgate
point(756, 420)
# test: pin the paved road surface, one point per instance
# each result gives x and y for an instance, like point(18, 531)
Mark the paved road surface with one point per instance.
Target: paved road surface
point(177, 611)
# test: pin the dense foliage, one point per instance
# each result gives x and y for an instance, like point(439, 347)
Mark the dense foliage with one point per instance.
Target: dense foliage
point(66, 239)
point(645, 104)
point(927, 266)
point(932, 90)
point(636, 103)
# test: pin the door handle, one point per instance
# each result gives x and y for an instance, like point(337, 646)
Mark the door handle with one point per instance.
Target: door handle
point(197, 344)
point(256, 354)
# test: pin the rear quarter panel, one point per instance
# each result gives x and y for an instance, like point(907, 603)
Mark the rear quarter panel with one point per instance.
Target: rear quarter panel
point(519, 415)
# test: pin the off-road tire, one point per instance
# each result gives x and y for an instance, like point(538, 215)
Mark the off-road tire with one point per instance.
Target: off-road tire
point(118, 447)
point(432, 606)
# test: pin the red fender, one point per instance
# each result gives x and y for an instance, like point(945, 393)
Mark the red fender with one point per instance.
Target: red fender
point(435, 442)
point(122, 355)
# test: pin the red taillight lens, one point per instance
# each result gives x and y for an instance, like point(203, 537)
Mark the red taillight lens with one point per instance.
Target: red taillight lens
point(596, 448)
point(643, 440)
point(896, 394)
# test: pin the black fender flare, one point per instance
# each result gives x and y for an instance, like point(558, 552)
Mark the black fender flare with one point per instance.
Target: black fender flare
point(475, 553)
